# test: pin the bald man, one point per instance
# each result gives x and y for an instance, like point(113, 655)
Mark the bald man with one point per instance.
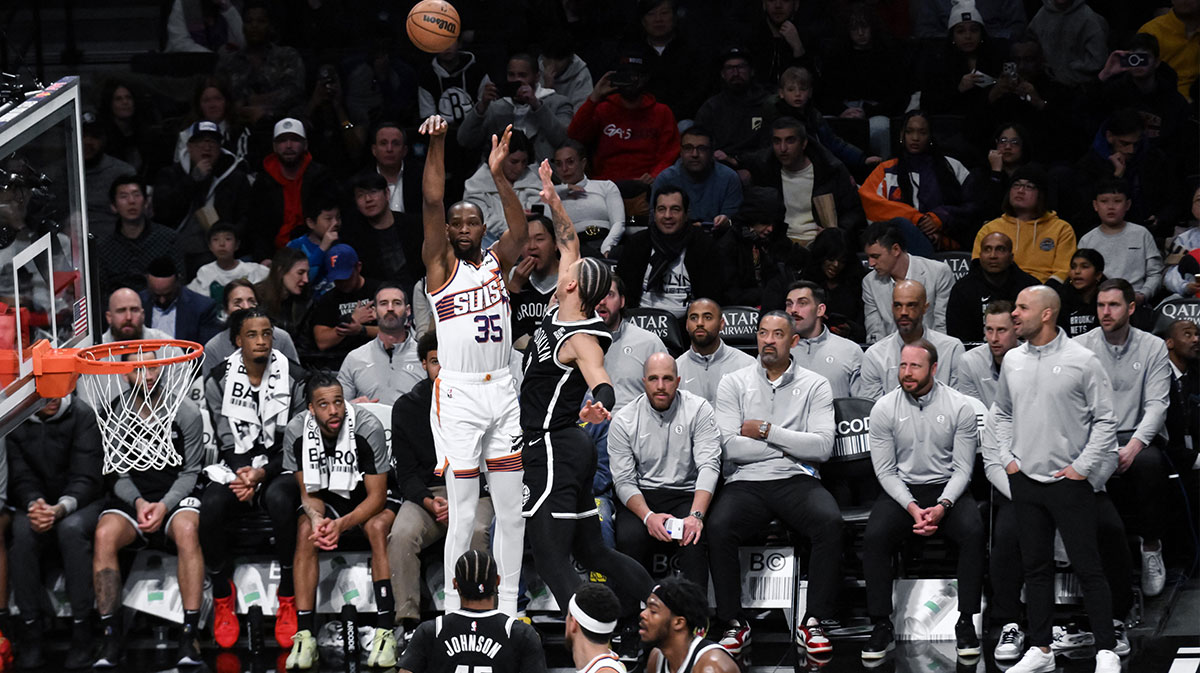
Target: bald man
point(709, 359)
point(993, 276)
point(1051, 431)
point(664, 450)
point(881, 363)
point(127, 319)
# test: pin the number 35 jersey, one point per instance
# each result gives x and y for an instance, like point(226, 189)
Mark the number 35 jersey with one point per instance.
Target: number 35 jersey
point(473, 317)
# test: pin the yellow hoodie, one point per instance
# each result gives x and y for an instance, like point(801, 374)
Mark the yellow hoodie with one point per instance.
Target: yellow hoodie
point(1042, 248)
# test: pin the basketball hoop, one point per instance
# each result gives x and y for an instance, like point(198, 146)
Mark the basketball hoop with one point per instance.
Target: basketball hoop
point(135, 418)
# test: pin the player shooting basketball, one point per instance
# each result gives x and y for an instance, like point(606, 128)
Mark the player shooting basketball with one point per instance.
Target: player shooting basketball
point(152, 508)
point(475, 413)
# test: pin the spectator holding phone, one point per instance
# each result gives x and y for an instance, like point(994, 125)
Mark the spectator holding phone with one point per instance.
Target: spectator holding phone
point(520, 100)
point(1136, 78)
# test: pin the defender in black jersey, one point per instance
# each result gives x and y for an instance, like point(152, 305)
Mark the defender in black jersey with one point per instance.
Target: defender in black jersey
point(565, 358)
point(675, 610)
point(477, 637)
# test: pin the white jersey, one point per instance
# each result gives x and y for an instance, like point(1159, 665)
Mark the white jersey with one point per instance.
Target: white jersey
point(604, 663)
point(473, 317)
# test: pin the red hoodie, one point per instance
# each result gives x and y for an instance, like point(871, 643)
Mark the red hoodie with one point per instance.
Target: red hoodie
point(628, 143)
point(293, 208)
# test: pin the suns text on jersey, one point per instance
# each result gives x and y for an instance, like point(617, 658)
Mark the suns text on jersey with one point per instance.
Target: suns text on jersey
point(473, 300)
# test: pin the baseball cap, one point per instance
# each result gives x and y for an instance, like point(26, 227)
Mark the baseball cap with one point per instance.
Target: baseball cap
point(734, 52)
point(202, 128)
point(340, 261)
point(288, 125)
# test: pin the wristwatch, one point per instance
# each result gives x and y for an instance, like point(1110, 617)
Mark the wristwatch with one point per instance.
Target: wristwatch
point(699, 515)
point(763, 429)
point(946, 504)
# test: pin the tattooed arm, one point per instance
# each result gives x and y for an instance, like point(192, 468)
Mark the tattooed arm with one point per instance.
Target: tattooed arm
point(564, 229)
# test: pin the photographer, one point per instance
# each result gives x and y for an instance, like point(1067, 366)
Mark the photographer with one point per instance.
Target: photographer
point(1135, 77)
point(522, 101)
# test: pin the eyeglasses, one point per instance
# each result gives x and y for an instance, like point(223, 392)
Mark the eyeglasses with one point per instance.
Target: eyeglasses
point(1015, 142)
point(1024, 185)
point(702, 149)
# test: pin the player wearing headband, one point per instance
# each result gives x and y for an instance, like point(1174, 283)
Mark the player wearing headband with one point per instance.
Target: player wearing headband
point(591, 619)
point(675, 610)
point(476, 637)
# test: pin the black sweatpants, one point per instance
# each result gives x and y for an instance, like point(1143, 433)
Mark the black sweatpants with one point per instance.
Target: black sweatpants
point(634, 540)
point(561, 520)
point(890, 525)
point(72, 538)
point(741, 512)
point(1070, 506)
point(1005, 560)
point(1141, 494)
point(218, 506)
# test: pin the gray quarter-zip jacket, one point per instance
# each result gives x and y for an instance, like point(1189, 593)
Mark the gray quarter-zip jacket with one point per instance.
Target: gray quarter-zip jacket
point(978, 375)
point(1141, 378)
point(1053, 408)
point(930, 440)
point(677, 449)
point(799, 407)
point(631, 345)
point(369, 370)
point(934, 275)
point(701, 374)
point(881, 363)
point(831, 356)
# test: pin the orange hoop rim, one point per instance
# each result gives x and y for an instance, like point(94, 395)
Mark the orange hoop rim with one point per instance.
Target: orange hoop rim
point(90, 365)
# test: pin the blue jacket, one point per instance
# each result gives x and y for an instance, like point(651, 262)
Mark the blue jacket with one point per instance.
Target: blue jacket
point(197, 318)
point(718, 194)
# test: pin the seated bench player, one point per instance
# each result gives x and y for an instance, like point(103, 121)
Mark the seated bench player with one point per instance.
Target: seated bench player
point(342, 463)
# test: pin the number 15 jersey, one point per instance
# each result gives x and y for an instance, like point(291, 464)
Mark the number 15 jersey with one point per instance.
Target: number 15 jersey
point(473, 317)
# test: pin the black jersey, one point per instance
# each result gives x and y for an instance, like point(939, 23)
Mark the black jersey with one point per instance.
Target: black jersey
point(466, 640)
point(697, 647)
point(552, 392)
point(529, 307)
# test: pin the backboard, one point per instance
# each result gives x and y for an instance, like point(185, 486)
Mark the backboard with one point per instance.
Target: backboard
point(45, 286)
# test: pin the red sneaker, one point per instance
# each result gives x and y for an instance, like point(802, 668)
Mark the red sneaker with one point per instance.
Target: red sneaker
point(225, 620)
point(285, 621)
point(6, 654)
point(736, 637)
point(811, 637)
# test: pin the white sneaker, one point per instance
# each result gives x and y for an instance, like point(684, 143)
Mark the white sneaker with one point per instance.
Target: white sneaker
point(1122, 648)
point(1034, 661)
point(1154, 573)
point(1107, 661)
point(1070, 640)
point(1012, 643)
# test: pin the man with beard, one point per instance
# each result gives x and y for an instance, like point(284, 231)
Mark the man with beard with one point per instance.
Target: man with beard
point(288, 179)
point(126, 319)
point(631, 346)
point(387, 366)
point(777, 425)
point(671, 263)
point(979, 373)
point(737, 114)
point(994, 276)
point(591, 618)
point(176, 310)
point(709, 359)
point(837, 359)
point(251, 396)
point(475, 416)
point(1050, 428)
point(714, 190)
point(532, 281)
point(675, 612)
point(881, 362)
point(888, 256)
point(924, 467)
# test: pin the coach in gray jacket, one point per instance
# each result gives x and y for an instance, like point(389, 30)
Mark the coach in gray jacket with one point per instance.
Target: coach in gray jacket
point(881, 362)
point(837, 359)
point(888, 257)
point(709, 359)
point(1051, 426)
point(664, 450)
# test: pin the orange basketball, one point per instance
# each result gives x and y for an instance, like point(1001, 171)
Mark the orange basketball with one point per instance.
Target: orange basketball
point(433, 25)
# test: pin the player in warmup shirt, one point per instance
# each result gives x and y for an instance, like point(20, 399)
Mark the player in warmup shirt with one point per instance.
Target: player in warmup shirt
point(675, 610)
point(564, 359)
point(591, 618)
point(475, 416)
point(477, 637)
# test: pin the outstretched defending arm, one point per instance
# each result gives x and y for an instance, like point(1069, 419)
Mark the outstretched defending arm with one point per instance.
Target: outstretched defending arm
point(435, 251)
point(512, 241)
point(564, 228)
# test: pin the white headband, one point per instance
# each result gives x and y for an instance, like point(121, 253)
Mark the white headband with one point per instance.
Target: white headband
point(588, 622)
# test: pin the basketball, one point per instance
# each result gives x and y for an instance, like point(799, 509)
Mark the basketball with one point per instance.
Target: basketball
point(433, 25)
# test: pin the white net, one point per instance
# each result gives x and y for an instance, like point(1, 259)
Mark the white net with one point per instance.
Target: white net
point(135, 411)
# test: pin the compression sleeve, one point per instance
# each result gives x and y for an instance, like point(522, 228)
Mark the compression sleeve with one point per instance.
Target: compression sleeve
point(604, 394)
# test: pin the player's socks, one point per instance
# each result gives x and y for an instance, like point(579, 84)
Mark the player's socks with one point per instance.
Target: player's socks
point(286, 588)
point(191, 618)
point(385, 604)
point(304, 620)
point(508, 543)
point(463, 496)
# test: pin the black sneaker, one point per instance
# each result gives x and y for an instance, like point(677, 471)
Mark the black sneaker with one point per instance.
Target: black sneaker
point(110, 650)
point(967, 642)
point(29, 654)
point(188, 653)
point(80, 654)
point(882, 641)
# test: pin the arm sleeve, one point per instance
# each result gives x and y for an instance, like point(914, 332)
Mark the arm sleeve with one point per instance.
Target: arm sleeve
point(706, 447)
point(1154, 266)
point(192, 429)
point(1156, 395)
point(620, 453)
point(815, 442)
point(966, 439)
point(883, 456)
point(1102, 437)
point(870, 379)
point(737, 450)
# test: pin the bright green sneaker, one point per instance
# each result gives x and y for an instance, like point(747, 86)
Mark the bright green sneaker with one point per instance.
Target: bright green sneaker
point(304, 651)
point(383, 649)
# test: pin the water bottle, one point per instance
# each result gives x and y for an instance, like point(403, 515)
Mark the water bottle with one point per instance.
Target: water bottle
point(929, 614)
point(350, 636)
